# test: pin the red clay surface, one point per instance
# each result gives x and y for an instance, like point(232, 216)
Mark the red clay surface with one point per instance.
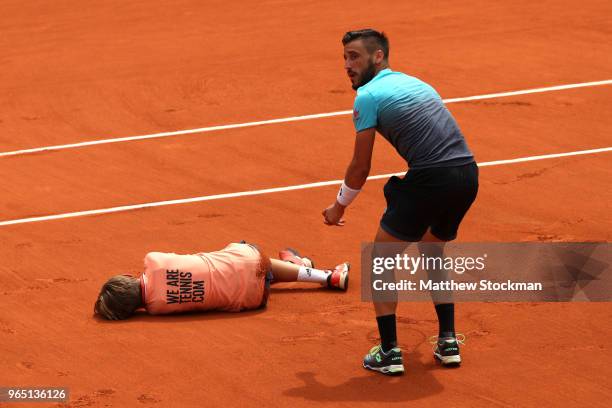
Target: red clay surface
point(72, 73)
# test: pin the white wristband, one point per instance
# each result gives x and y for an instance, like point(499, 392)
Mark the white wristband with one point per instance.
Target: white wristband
point(346, 195)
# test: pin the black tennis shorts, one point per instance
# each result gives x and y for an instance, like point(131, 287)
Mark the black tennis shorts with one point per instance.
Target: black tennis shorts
point(436, 198)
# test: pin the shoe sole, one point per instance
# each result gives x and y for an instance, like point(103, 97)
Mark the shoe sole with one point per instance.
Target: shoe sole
point(304, 259)
point(448, 360)
point(344, 279)
point(394, 369)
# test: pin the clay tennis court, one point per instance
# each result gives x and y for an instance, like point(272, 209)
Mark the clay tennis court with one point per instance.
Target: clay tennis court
point(74, 72)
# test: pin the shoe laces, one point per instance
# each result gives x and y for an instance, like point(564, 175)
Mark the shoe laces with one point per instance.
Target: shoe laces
point(376, 349)
point(459, 337)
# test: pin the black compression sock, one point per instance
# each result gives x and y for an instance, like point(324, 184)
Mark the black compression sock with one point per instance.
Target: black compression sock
point(387, 330)
point(446, 319)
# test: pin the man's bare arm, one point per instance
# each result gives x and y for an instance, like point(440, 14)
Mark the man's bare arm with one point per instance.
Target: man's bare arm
point(359, 168)
point(356, 176)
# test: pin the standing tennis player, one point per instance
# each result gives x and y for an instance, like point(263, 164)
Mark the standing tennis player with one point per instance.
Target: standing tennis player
point(429, 202)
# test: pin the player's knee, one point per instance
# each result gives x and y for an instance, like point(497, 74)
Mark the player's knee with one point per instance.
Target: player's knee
point(382, 272)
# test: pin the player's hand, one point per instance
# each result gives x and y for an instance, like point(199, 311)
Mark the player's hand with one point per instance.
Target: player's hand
point(333, 214)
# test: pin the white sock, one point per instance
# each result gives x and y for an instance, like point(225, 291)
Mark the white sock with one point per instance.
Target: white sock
point(312, 275)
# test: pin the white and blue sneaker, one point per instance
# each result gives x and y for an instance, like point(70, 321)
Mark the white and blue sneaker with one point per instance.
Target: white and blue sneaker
point(389, 363)
point(446, 349)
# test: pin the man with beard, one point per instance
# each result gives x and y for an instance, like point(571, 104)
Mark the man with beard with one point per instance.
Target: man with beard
point(429, 203)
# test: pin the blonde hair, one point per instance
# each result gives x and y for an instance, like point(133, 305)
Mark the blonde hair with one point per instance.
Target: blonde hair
point(119, 298)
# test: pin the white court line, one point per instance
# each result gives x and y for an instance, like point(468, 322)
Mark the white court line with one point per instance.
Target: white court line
point(273, 190)
point(289, 119)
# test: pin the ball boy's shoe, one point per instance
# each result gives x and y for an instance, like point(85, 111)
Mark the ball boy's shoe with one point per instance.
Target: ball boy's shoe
point(291, 255)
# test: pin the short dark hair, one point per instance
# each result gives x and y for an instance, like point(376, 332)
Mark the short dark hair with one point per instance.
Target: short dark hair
point(119, 298)
point(373, 40)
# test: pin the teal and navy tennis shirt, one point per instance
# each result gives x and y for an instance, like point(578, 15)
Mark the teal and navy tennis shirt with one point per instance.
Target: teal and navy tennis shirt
point(412, 117)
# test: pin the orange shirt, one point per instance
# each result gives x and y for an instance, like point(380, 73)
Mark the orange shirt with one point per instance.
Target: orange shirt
point(231, 280)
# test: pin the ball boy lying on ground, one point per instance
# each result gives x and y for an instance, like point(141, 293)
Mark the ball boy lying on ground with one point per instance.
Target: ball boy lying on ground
point(234, 279)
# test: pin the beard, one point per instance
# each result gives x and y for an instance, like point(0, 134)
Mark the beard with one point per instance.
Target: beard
point(366, 76)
